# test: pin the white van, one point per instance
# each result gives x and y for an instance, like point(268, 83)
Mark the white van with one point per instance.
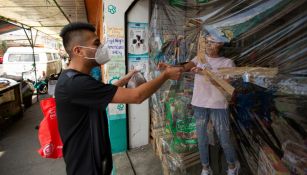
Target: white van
point(19, 61)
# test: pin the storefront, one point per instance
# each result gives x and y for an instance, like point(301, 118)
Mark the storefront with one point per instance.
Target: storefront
point(267, 89)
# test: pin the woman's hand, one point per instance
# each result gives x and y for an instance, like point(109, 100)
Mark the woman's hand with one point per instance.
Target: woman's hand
point(196, 70)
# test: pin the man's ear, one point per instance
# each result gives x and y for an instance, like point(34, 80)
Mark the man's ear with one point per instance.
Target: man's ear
point(76, 51)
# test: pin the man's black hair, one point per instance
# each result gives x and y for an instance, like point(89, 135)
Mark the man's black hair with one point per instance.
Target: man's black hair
point(71, 30)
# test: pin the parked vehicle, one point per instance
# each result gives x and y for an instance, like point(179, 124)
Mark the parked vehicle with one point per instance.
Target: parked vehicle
point(17, 60)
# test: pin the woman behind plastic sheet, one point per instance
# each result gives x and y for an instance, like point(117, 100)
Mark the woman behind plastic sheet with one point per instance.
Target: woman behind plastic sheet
point(210, 104)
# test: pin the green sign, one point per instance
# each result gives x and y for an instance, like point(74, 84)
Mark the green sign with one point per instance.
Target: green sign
point(112, 9)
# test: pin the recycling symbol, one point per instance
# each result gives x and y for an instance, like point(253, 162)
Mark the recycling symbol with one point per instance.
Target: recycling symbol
point(112, 9)
point(120, 107)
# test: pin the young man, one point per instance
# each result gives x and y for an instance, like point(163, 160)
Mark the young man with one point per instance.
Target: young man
point(81, 102)
point(210, 104)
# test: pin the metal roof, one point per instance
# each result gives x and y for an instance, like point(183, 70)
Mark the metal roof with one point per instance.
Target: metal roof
point(47, 16)
point(6, 27)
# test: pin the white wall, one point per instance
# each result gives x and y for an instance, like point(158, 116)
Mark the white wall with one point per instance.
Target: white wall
point(139, 120)
point(114, 27)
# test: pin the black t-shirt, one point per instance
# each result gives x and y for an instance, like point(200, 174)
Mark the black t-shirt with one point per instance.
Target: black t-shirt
point(81, 103)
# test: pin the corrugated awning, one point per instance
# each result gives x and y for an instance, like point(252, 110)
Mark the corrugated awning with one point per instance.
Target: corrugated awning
point(6, 27)
point(47, 16)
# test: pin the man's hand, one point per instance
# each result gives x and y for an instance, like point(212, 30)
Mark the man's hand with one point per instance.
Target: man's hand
point(125, 79)
point(142, 92)
point(128, 76)
point(173, 73)
point(163, 66)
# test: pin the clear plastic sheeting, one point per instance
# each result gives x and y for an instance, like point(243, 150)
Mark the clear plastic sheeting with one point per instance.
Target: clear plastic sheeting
point(179, 115)
point(267, 40)
point(295, 157)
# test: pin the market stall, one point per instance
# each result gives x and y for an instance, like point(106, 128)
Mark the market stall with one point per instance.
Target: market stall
point(267, 88)
point(10, 102)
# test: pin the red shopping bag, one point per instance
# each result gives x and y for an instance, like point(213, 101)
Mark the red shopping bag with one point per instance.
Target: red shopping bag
point(48, 133)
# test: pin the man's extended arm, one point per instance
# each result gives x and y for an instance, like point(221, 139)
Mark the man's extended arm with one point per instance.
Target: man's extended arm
point(142, 92)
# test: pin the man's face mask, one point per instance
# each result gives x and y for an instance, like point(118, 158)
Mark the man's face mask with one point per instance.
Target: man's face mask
point(102, 54)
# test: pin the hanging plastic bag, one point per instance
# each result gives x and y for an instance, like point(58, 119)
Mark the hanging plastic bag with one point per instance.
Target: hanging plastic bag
point(48, 133)
point(136, 80)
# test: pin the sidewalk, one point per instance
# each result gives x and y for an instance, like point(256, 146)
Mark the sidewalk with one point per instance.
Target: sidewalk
point(140, 161)
point(19, 144)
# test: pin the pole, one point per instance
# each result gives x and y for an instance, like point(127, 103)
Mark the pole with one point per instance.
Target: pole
point(30, 39)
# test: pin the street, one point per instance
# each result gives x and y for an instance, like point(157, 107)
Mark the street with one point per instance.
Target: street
point(19, 145)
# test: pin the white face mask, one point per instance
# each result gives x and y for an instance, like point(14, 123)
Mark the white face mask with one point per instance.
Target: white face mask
point(102, 54)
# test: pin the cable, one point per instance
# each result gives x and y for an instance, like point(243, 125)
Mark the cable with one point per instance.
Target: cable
point(131, 163)
point(62, 11)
